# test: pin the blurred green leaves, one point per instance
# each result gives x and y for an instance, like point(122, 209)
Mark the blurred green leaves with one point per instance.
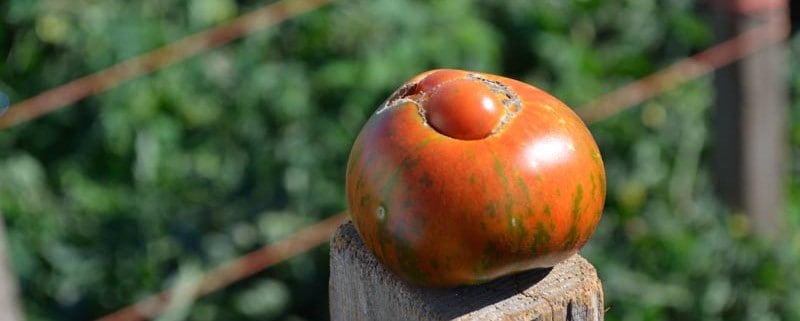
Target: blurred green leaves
point(144, 185)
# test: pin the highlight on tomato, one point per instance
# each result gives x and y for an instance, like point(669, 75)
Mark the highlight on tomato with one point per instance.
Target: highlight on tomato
point(462, 177)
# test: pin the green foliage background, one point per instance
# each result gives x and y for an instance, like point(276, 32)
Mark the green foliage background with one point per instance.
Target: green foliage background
point(147, 184)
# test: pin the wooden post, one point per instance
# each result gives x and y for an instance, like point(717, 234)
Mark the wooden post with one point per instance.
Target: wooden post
point(362, 289)
point(750, 116)
point(9, 310)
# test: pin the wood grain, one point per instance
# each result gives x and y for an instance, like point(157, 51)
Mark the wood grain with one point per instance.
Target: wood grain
point(362, 289)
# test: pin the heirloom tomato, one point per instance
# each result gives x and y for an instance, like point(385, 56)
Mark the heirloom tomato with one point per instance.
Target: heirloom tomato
point(462, 177)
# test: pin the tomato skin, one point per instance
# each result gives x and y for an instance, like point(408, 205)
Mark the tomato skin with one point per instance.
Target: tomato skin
point(444, 211)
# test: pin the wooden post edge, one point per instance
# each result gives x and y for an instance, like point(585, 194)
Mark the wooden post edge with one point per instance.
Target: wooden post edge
point(360, 288)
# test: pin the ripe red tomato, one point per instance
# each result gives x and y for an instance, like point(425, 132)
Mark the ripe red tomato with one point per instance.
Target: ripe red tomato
point(462, 177)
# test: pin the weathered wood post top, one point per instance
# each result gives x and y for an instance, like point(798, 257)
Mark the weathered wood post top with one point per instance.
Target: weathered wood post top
point(362, 289)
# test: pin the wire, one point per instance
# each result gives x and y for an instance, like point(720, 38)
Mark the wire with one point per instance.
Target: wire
point(236, 270)
point(148, 62)
point(769, 33)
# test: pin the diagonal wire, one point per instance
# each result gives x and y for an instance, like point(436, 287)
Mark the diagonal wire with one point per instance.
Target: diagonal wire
point(774, 30)
point(241, 268)
point(174, 52)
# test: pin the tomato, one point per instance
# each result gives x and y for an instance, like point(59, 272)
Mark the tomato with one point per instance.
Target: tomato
point(462, 177)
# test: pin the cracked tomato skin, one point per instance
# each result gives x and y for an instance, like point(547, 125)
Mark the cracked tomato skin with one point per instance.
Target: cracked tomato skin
point(463, 177)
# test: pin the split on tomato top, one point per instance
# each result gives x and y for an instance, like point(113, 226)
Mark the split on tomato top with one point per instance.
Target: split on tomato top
point(462, 177)
point(459, 104)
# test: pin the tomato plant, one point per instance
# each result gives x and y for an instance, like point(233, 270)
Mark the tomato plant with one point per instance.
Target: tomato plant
point(462, 177)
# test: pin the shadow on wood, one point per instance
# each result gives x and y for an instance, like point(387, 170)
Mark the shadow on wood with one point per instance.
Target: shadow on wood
point(362, 289)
